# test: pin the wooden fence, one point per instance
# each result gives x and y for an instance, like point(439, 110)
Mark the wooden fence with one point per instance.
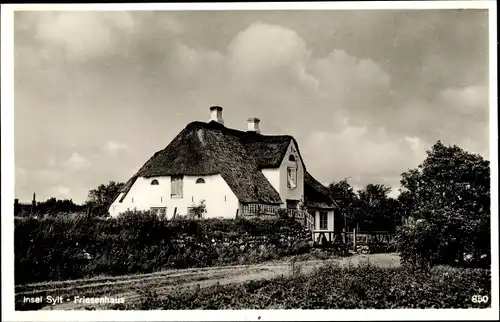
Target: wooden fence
point(322, 237)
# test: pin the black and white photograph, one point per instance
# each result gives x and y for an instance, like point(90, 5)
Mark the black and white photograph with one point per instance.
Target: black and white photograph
point(251, 162)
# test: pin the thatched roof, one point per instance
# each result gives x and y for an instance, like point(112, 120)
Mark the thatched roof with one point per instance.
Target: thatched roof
point(316, 194)
point(210, 148)
point(238, 156)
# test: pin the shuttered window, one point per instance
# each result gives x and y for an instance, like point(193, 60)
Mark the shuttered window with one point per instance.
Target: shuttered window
point(292, 177)
point(176, 186)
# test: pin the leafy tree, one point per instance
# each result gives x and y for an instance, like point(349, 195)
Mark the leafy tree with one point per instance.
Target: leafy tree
point(345, 196)
point(376, 210)
point(368, 209)
point(101, 198)
point(450, 192)
point(53, 206)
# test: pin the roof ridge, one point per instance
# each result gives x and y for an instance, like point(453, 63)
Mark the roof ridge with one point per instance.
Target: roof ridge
point(221, 127)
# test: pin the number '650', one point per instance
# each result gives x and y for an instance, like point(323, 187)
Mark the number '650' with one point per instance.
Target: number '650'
point(480, 299)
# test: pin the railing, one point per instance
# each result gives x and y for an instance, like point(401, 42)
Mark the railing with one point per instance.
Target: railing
point(303, 217)
point(351, 238)
point(256, 209)
point(374, 237)
point(309, 221)
point(318, 236)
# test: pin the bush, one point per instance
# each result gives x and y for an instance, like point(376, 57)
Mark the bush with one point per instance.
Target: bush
point(418, 245)
point(449, 195)
point(426, 243)
point(334, 287)
point(139, 242)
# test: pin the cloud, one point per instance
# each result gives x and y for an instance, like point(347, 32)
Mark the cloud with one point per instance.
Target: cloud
point(113, 148)
point(364, 157)
point(467, 101)
point(52, 161)
point(415, 143)
point(60, 192)
point(76, 163)
point(364, 93)
point(47, 175)
point(254, 53)
point(83, 35)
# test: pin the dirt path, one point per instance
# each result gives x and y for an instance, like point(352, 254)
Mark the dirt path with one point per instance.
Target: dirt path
point(127, 287)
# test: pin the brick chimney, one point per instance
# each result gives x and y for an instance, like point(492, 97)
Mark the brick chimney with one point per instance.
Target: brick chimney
point(253, 125)
point(216, 114)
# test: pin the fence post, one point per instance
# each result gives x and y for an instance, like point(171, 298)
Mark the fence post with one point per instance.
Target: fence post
point(237, 211)
point(175, 212)
point(354, 239)
point(33, 204)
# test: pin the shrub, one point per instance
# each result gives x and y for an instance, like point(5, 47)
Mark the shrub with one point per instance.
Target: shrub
point(334, 287)
point(59, 248)
point(449, 194)
point(418, 245)
point(282, 213)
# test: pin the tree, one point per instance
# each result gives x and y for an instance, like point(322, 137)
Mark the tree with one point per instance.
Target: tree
point(376, 210)
point(53, 206)
point(450, 192)
point(101, 198)
point(343, 193)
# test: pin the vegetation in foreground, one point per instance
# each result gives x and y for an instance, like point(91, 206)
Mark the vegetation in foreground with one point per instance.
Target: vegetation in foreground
point(64, 248)
point(335, 287)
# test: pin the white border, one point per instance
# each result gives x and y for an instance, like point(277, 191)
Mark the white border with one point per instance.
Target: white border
point(7, 177)
point(351, 5)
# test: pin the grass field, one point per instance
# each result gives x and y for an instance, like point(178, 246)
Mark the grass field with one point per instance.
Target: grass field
point(132, 287)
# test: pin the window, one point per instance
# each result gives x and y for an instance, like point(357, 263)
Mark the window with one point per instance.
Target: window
point(176, 187)
point(291, 158)
point(292, 177)
point(323, 220)
point(159, 211)
point(154, 182)
point(200, 180)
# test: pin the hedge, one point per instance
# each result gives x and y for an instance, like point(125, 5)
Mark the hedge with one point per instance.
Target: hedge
point(137, 242)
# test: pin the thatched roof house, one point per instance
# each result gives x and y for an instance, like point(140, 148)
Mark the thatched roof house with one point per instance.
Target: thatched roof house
point(253, 167)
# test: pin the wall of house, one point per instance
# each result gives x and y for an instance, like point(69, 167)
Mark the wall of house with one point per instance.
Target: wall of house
point(278, 177)
point(220, 200)
point(273, 176)
point(284, 191)
point(330, 223)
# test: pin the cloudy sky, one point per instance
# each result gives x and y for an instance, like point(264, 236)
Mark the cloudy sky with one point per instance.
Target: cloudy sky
point(365, 93)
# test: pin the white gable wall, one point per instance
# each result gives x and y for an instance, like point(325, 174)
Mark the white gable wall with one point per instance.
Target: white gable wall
point(273, 176)
point(219, 198)
point(278, 177)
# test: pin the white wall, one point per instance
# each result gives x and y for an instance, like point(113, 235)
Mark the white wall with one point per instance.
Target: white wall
point(273, 176)
point(278, 177)
point(219, 198)
point(284, 191)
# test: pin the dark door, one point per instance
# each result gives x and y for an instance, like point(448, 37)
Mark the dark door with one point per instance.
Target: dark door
point(291, 204)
